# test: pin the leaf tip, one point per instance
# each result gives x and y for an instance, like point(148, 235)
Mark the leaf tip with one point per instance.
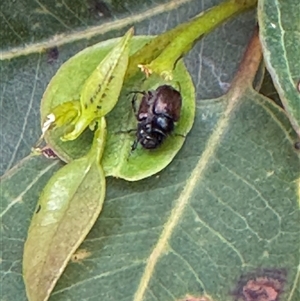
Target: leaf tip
point(130, 31)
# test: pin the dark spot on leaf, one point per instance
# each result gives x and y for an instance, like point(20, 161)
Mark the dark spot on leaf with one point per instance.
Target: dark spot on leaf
point(38, 209)
point(49, 153)
point(103, 95)
point(99, 107)
point(80, 255)
point(261, 285)
point(99, 9)
point(53, 54)
point(298, 86)
point(92, 99)
point(111, 78)
point(85, 105)
point(297, 145)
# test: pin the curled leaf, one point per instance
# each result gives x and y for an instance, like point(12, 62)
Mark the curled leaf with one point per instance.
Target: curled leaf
point(67, 209)
point(66, 113)
point(279, 35)
point(101, 90)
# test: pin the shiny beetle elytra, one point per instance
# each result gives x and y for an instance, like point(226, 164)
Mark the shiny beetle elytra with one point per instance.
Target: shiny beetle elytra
point(158, 111)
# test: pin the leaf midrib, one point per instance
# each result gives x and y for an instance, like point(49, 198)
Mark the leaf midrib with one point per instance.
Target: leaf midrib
point(183, 199)
point(62, 39)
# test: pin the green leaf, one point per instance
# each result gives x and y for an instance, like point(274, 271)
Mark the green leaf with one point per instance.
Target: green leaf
point(242, 214)
point(31, 176)
point(279, 33)
point(118, 161)
point(101, 90)
point(177, 42)
point(67, 209)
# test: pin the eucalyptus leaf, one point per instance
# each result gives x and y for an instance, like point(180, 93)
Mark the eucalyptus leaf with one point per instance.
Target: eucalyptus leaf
point(31, 176)
point(118, 161)
point(221, 210)
point(67, 209)
point(279, 34)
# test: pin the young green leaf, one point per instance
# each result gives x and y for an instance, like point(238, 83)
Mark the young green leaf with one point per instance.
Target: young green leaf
point(174, 44)
point(66, 112)
point(98, 96)
point(101, 90)
point(67, 209)
point(117, 158)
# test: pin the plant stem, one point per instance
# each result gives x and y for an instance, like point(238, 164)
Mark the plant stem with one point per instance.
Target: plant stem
point(248, 67)
point(163, 52)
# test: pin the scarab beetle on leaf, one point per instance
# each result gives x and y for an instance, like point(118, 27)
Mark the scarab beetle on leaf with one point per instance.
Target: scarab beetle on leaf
point(158, 111)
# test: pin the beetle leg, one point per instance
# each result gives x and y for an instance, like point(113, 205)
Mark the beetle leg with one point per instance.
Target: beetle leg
point(133, 104)
point(133, 100)
point(134, 145)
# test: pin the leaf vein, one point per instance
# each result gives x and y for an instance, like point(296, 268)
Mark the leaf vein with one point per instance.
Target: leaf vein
point(264, 200)
point(91, 32)
point(190, 268)
point(183, 199)
point(236, 213)
point(26, 118)
point(222, 238)
point(34, 181)
point(102, 275)
point(46, 10)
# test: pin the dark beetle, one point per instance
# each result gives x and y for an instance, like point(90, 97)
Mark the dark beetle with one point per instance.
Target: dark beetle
point(156, 115)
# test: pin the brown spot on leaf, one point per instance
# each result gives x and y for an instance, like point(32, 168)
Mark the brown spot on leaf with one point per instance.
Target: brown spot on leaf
point(261, 285)
point(49, 153)
point(80, 255)
point(53, 54)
